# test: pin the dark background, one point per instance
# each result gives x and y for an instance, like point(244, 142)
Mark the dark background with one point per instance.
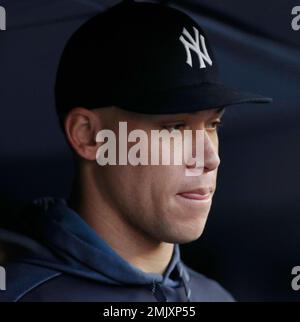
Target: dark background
point(252, 238)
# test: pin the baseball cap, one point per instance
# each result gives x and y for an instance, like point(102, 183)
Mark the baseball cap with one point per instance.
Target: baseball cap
point(143, 57)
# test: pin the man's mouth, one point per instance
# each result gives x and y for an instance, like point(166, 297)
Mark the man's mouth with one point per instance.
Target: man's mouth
point(197, 194)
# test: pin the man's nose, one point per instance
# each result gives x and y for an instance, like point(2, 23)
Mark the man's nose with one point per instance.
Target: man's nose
point(211, 154)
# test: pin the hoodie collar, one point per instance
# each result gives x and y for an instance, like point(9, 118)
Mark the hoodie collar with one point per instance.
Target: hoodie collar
point(73, 238)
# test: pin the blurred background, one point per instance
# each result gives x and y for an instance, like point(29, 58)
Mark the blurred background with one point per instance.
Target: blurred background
point(252, 238)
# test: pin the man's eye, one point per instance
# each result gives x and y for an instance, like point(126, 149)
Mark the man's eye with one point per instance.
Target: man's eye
point(175, 126)
point(215, 125)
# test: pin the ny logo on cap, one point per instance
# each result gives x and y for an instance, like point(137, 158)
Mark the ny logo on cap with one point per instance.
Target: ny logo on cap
point(195, 46)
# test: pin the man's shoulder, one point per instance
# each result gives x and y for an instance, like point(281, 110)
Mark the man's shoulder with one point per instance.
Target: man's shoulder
point(22, 277)
point(207, 289)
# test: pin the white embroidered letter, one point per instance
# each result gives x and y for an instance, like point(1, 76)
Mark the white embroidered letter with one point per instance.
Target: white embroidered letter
point(194, 45)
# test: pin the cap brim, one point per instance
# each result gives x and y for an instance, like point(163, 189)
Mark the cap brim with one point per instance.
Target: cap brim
point(193, 98)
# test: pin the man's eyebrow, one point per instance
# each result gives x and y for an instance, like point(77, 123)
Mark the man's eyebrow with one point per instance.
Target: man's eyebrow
point(220, 111)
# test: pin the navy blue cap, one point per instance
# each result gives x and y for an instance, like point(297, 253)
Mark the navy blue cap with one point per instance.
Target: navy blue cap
point(146, 58)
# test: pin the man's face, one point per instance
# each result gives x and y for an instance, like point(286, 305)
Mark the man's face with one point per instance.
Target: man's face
point(161, 201)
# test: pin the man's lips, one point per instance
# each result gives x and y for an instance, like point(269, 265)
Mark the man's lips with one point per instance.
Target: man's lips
point(197, 194)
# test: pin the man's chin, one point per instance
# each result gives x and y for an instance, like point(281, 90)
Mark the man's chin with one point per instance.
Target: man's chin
point(186, 234)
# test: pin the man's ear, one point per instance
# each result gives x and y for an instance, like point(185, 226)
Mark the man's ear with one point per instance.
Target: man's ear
point(81, 127)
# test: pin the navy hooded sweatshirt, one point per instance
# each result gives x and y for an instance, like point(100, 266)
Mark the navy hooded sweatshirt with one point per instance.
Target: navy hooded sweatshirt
point(59, 257)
